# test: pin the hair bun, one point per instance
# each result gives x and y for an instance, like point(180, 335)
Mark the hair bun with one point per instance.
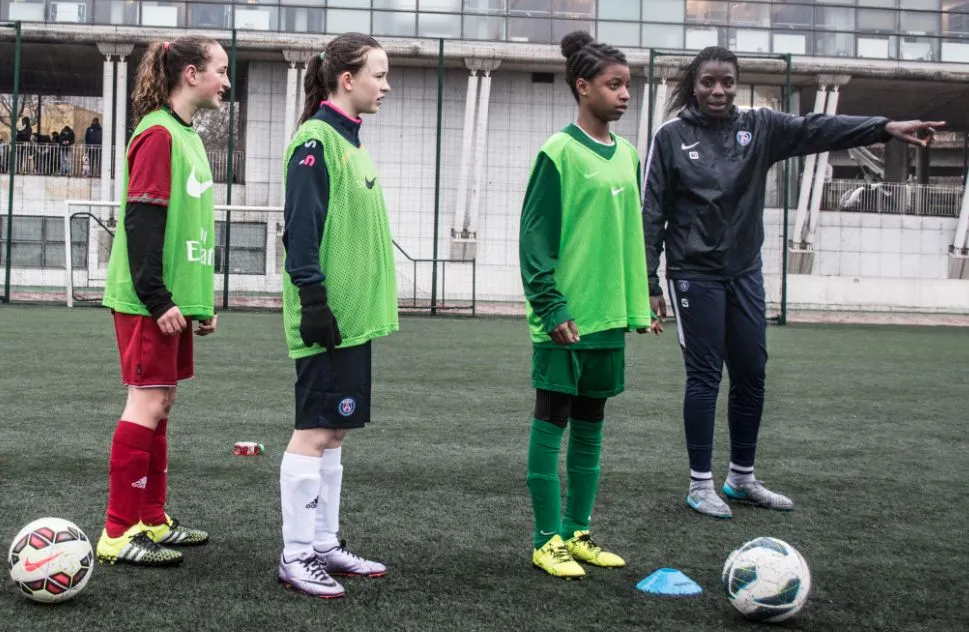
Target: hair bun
point(574, 42)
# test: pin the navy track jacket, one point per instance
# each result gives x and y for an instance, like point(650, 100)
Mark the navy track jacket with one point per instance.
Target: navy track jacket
point(705, 182)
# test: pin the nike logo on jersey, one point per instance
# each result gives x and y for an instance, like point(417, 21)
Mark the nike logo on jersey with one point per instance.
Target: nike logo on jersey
point(370, 183)
point(616, 191)
point(590, 175)
point(30, 567)
point(195, 188)
point(684, 146)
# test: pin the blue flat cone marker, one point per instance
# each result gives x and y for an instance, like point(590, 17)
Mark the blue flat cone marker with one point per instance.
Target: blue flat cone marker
point(669, 582)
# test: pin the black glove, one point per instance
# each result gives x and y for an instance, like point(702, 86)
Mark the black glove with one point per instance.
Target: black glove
point(318, 325)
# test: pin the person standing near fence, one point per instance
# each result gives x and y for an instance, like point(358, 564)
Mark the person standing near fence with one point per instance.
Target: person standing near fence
point(706, 175)
point(92, 142)
point(583, 269)
point(160, 279)
point(339, 293)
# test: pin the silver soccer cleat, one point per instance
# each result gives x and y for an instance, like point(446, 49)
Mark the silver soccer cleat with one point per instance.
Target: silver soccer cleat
point(308, 576)
point(339, 561)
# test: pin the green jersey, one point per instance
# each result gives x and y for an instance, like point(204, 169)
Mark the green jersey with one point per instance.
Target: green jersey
point(582, 251)
point(188, 255)
point(356, 250)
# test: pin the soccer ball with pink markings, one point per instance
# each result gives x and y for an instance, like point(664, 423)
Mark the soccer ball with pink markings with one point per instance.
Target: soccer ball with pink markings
point(50, 560)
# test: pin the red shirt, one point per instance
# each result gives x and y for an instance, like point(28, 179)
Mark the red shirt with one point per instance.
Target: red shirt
point(150, 167)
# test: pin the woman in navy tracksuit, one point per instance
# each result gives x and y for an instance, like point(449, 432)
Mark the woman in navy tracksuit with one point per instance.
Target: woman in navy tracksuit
point(704, 201)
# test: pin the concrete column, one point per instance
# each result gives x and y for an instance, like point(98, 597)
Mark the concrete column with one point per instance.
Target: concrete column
point(959, 244)
point(107, 128)
point(480, 149)
point(292, 94)
point(460, 197)
point(121, 126)
point(896, 161)
point(642, 139)
point(923, 165)
point(817, 190)
point(659, 109)
point(807, 176)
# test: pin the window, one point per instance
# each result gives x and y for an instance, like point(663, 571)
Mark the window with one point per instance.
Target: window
point(561, 28)
point(530, 7)
point(619, 33)
point(38, 242)
point(448, 6)
point(672, 11)
point(529, 30)
point(919, 22)
point(706, 12)
point(749, 14)
point(480, 27)
point(438, 25)
point(574, 8)
point(400, 5)
point(248, 249)
point(929, 5)
point(792, 16)
point(485, 6)
point(668, 36)
point(875, 21)
point(618, 10)
point(342, 21)
point(394, 23)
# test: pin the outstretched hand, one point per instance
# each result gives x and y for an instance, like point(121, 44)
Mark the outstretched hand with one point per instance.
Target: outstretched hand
point(914, 132)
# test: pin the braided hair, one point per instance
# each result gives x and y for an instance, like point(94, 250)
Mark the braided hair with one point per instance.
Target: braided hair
point(587, 58)
point(682, 94)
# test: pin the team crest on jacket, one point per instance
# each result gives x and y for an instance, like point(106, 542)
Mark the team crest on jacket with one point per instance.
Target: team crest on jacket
point(743, 138)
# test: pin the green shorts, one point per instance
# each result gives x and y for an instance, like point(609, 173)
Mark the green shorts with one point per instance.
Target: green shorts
point(599, 373)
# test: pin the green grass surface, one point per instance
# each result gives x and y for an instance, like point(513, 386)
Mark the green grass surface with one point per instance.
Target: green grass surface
point(864, 427)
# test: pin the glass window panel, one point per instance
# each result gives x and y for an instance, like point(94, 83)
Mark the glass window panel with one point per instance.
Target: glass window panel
point(672, 11)
point(54, 256)
point(356, 4)
point(749, 41)
point(400, 5)
point(698, 39)
point(561, 28)
point(438, 25)
point(210, 16)
point(619, 33)
point(835, 18)
point(919, 49)
point(251, 18)
point(668, 36)
point(302, 20)
point(53, 229)
point(75, 12)
point(31, 11)
point(768, 97)
point(27, 228)
point(452, 6)
point(875, 3)
point(749, 14)
point(876, 21)
point(248, 235)
point(245, 261)
point(162, 14)
point(618, 10)
point(394, 23)
point(529, 30)
point(26, 255)
point(956, 24)
point(485, 6)
point(574, 8)
point(79, 230)
point(343, 21)
point(793, 43)
point(706, 12)
point(481, 27)
point(876, 47)
point(792, 15)
point(529, 7)
point(919, 22)
point(955, 50)
point(836, 44)
point(930, 5)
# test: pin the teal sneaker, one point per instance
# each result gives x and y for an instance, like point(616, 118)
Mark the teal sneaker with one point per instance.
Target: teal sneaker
point(755, 493)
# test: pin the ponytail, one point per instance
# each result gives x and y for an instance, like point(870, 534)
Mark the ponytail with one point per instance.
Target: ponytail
point(161, 70)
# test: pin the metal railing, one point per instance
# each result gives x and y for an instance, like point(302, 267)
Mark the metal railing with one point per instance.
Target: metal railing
point(84, 161)
point(896, 198)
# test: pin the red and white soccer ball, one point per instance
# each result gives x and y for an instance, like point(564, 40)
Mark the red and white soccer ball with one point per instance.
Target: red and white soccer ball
point(50, 560)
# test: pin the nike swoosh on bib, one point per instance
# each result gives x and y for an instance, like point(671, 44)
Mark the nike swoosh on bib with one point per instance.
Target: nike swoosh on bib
point(195, 188)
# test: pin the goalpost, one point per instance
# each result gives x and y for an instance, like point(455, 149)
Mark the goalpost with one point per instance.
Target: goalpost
point(774, 255)
point(249, 261)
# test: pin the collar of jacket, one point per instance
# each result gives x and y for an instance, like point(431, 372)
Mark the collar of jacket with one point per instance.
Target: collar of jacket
point(692, 114)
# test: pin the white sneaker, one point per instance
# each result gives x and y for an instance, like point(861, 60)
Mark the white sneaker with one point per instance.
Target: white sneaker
point(308, 576)
point(339, 561)
point(704, 500)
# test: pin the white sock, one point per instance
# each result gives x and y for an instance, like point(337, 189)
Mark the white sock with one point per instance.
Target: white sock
point(299, 491)
point(701, 480)
point(328, 511)
point(740, 474)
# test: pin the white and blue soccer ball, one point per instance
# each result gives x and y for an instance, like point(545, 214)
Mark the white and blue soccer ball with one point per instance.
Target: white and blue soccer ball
point(767, 580)
point(50, 560)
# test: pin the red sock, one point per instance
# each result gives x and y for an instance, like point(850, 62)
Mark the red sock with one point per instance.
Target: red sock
point(128, 476)
point(153, 503)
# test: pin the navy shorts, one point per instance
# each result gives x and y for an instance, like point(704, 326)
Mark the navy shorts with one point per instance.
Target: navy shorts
point(333, 389)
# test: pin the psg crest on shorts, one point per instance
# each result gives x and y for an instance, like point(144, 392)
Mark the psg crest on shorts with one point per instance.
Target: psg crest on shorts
point(683, 285)
point(347, 406)
point(743, 138)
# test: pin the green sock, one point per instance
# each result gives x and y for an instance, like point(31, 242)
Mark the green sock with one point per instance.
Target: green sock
point(544, 445)
point(582, 470)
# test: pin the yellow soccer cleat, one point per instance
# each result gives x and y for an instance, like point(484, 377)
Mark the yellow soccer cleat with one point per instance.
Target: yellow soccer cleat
point(584, 549)
point(173, 533)
point(554, 559)
point(135, 547)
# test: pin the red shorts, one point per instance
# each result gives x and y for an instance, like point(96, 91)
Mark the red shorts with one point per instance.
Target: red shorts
point(149, 357)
